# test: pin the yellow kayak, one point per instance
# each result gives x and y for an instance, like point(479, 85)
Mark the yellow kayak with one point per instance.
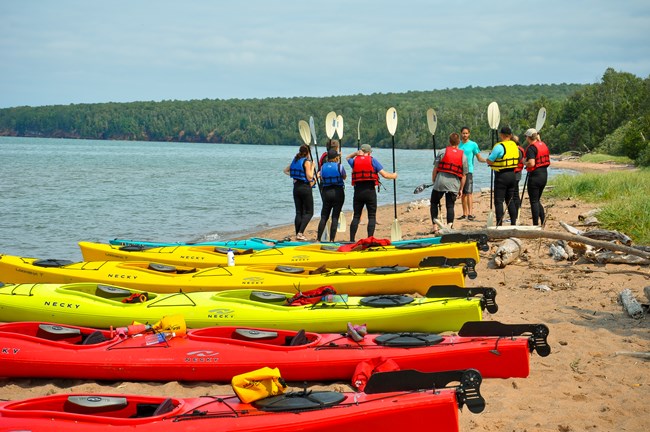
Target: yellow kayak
point(102, 306)
point(163, 278)
point(313, 255)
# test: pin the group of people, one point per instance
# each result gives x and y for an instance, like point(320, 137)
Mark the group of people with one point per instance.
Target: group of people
point(452, 175)
point(329, 174)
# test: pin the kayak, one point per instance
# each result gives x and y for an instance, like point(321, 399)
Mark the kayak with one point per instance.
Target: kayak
point(391, 398)
point(48, 350)
point(103, 306)
point(164, 278)
point(312, 255)
point(260, 243)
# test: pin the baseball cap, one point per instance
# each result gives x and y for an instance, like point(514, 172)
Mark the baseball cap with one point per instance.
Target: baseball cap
point(366, 148)
point(530, 132)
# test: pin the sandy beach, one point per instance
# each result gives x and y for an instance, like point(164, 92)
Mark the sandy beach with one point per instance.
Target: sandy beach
point(583, 385)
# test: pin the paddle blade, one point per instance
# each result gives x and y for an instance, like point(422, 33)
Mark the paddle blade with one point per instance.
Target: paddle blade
point(422, 187)
point(312, 129)
point(359, 130)
point(339, 126)
point(391, 120)
point(541, 118)
point(395, 231)
point(432, 121)
point(494, 116)
point(343, 223)
point(326, 232)
point(490, 219)
point(303, 127)
point(330, 124)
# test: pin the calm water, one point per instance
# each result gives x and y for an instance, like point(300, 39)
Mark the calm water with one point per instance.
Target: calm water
point(56, 192)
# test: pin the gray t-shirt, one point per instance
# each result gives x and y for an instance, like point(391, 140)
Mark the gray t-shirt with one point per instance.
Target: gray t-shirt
point(446, 182)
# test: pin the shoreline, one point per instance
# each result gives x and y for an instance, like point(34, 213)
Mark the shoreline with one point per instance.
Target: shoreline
point(583, 385)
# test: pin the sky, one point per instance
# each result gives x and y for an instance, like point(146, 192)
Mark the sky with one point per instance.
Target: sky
point(82, 51)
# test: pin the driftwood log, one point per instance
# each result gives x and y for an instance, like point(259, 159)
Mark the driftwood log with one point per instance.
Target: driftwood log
point(646, 291)
point(535, 233)
point(630, 304)
point(599, 234)
point(509, 250)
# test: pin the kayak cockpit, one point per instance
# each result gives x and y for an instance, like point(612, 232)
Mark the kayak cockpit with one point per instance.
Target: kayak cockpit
point(251, 336)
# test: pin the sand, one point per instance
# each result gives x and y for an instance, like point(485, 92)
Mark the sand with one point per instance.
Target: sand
point(583, 385)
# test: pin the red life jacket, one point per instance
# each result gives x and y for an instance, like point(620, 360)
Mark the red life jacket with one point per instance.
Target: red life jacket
point(362, 170)
point(364, 243)
point(452, 161)
point(543, 157)
point(520, 165)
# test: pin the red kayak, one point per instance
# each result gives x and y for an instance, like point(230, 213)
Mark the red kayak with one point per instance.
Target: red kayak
point(45, 350)
point(403, 407)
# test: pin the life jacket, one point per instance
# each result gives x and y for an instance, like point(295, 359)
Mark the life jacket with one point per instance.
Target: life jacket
point(364, 243)
point(331, 174)
point(543, 158)
point(520, 165)
point(362, 170)
point(297, 170)
point(452, 161)
point(311, 297)
point(510, 159)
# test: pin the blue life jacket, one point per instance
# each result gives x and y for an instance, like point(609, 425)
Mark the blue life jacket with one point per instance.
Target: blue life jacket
point(331, 174)
point(297, 170)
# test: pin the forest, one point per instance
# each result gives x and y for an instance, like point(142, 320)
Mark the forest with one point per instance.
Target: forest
point(612, 116)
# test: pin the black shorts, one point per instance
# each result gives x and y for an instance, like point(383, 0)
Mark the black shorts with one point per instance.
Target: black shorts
point(469, 184)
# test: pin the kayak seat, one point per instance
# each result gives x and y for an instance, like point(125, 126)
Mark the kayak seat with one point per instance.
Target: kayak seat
point(134, 248)
point(255, 334)
point(267, 297)
point(299, 339)
point(289, 269)
point(327, 247)
point(386, 270)
point(224, 251)
point(166, 406)
point(163, 268)
point(93, 338)
point(319, 270)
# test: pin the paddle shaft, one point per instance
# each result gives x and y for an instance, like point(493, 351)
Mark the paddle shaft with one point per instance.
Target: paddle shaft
point(394, 180)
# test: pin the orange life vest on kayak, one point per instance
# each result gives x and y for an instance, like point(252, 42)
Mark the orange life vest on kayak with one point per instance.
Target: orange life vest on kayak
point(362, 170)
point(543, 158)
point(452, 161)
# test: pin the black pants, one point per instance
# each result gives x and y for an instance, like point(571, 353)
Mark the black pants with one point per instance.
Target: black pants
point(505, 190)
point(536, 184)
point(364, 195)
point(333, 198)
point(450, 200)
point(304, 202)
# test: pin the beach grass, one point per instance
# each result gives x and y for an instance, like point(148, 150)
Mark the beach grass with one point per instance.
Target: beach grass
point(602, 158)
point(624, 199)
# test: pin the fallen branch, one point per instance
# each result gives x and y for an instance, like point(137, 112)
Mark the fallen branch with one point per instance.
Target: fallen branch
point(630, 304)
point(535, 233)
point(643, 355)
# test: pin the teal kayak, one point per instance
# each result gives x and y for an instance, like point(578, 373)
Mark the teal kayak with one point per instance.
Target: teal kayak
point(259, 243)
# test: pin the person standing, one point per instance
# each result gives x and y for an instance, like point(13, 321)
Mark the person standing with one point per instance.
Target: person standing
point(503, 160)
point(301, 170)
point(516, 201)
point(471, 150)
point(332, 174)
point(538, 158)
point(449, 177)
point(365, 177)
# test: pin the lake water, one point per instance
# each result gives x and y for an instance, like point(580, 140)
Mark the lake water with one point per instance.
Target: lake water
point(57, 192)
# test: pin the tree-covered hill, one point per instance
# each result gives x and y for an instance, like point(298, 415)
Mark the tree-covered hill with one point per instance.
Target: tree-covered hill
point(611, 116)
point(275, 121)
